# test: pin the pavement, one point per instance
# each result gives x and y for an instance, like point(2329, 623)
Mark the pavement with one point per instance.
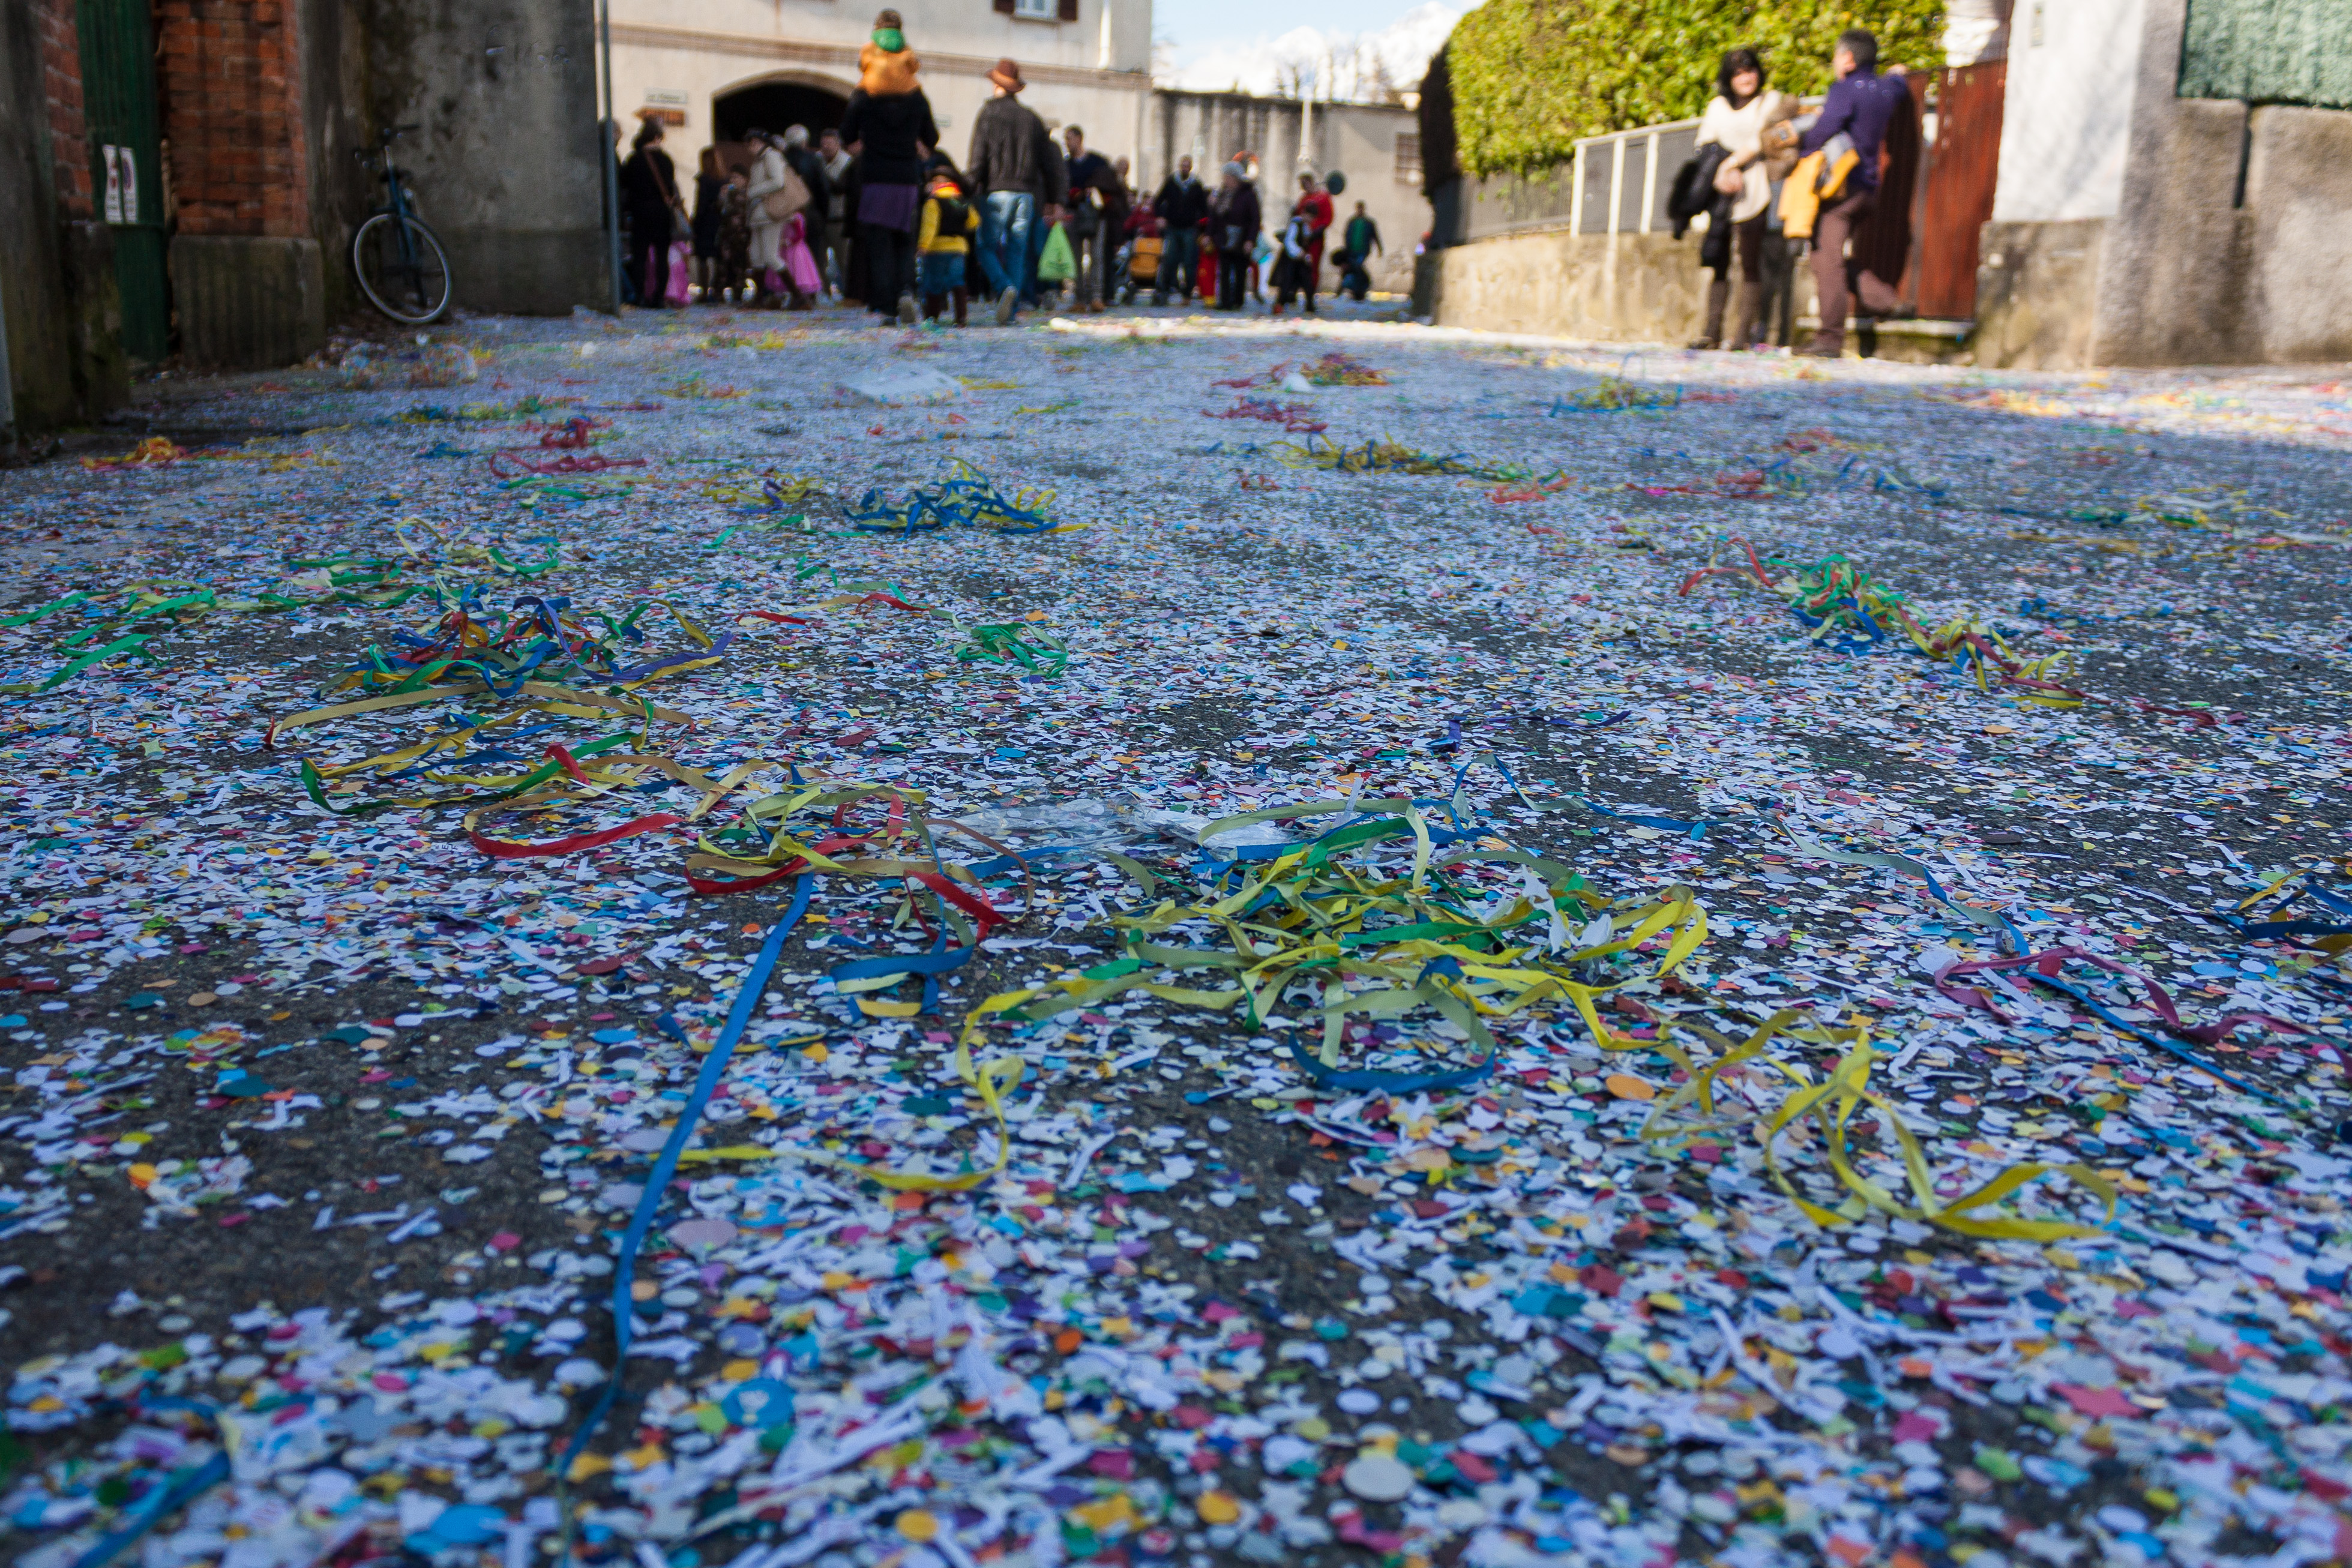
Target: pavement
point(1418, 947)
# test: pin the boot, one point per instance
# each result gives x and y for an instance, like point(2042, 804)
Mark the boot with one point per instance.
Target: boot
point(1718, 291)
point(1745, 315)
point(962, 303)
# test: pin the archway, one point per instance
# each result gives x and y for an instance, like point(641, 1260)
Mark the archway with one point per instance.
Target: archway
point(773, 105)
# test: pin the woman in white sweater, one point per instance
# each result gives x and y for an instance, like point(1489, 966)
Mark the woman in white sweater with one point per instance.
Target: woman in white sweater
point(1735, 121)
point(770, 174)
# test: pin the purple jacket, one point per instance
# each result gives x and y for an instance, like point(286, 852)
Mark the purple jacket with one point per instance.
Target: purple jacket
point(1859, 105)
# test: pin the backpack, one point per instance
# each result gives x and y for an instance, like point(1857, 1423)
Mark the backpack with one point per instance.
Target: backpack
point(955, 213)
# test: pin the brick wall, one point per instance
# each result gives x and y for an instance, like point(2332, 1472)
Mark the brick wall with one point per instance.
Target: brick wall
point(229, 74)
point(61, 76)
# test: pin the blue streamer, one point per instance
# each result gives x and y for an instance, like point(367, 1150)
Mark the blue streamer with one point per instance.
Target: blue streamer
point(938, 961)
point(706, 1083)
point(184, 1488)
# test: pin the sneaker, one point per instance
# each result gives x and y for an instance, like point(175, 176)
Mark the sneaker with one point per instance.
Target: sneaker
point(1006, 303)
point(907, 314)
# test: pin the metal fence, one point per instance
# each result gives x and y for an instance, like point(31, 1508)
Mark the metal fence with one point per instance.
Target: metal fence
point(1616, 183)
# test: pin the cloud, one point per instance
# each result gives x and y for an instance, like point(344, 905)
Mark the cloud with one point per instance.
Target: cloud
point(1262, 64)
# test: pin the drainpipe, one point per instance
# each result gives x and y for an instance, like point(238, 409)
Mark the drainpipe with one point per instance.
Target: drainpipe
point(605, 154)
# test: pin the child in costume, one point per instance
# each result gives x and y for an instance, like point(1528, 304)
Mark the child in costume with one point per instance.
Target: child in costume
point(886, 66)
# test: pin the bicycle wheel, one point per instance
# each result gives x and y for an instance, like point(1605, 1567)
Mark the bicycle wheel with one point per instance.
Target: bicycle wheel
point(401, 269)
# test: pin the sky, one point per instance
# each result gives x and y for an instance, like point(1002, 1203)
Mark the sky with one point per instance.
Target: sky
point(1217, 43)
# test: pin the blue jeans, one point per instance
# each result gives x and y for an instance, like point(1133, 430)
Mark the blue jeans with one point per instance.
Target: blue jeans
point(1005, 223)
point(1179, 263)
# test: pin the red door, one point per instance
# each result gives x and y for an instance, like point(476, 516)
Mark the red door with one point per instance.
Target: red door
point(1961, 172)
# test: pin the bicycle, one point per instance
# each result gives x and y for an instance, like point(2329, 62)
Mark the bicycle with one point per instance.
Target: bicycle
point(400, 263)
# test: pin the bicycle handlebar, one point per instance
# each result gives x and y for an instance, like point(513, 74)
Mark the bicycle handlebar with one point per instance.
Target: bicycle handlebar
point(384, 141)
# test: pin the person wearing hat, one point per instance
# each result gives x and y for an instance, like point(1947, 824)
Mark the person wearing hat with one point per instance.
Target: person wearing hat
point(891, 134)
point(1019, 174)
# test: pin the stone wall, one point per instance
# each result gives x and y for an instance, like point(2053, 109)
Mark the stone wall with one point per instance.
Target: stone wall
point(2037, 285)
point(2299, 252)
point(1626, 287)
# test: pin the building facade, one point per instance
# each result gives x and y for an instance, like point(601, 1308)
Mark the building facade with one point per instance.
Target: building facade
point(714, 69)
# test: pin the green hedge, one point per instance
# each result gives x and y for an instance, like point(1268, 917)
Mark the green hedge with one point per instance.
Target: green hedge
point(1531, 76)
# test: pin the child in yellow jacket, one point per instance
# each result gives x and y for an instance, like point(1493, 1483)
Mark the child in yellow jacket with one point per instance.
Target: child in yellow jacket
point(942, 242)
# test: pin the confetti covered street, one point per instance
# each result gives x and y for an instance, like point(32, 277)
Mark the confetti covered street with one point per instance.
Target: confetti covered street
point(1153, 941)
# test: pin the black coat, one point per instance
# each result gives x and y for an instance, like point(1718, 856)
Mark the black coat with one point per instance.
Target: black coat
point(1011, 150)
point(648, 183)
point(1235, 219)
point(1694, 193)
point(1181, 204)
point(1694, 190)
point(707, 188)
point(889, 126)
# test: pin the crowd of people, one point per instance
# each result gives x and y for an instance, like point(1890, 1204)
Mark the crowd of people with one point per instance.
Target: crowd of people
point(876, 212)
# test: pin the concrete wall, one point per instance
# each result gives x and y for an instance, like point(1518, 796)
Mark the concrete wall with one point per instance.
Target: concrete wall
point(2037, 288)
point(248, 300)
point(336, 123)
point(1359, 141)
point(2299, 197)
point(2066, 115)
point(1093, 72)
point(1625, 288)
point(507, 166)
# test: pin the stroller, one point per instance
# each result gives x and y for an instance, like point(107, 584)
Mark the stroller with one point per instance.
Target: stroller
point(1143, 267)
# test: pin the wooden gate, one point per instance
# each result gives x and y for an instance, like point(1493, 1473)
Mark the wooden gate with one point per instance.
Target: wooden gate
point(118, 85)
point(1963, 168)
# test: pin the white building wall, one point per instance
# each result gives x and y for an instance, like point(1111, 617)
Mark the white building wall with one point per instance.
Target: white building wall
point(2067, 109)
point(1093, 71)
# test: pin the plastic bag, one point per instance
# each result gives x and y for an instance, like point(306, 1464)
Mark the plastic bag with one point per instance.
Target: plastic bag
point(1057, 265)
point(374, 367)
point(1086, 823)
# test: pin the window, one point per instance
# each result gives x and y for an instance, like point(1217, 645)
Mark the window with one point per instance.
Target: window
point(1035, 10)
point(1408, 158)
